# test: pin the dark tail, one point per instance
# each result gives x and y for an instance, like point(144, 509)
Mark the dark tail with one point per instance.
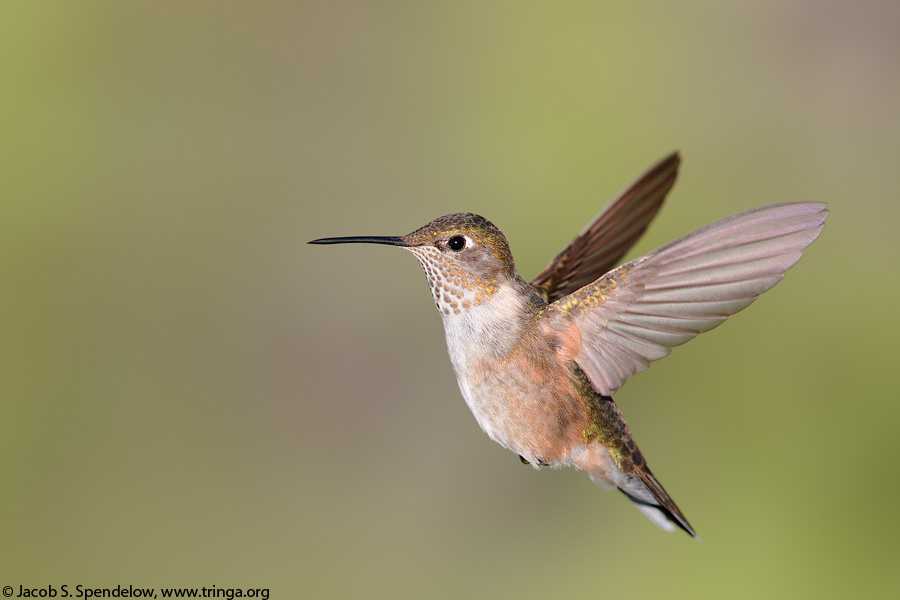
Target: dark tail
point(662, 510)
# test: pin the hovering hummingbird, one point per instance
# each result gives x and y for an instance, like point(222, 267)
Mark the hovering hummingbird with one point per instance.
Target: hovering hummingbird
point(538, 363)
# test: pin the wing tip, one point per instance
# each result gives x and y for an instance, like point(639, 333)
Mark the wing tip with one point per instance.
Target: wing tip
point(673, 157)
point(619, 224)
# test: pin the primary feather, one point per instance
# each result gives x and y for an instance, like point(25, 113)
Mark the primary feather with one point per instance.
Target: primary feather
point(636, 313)
point(604, 241)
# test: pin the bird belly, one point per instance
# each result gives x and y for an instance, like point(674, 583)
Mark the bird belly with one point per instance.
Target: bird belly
point(520, 390)
point(537, 416)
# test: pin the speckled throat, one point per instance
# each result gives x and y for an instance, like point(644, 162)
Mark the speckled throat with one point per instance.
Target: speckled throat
point(453, 287)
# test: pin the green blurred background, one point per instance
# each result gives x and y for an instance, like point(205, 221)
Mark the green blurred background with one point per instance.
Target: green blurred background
point(191, 395)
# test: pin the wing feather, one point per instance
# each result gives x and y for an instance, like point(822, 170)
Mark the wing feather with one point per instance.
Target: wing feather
point(605, 240)
point(635, 314)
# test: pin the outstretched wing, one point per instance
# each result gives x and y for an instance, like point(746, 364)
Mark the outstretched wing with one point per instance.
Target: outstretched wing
point(602, 244)
point(635, 314)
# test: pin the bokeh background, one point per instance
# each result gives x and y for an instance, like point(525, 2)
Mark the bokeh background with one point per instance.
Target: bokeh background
point(193, 396)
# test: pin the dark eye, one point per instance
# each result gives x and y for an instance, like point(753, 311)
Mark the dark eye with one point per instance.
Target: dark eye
point(457, 243)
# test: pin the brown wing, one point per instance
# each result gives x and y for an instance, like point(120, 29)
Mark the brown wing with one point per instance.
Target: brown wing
point(602, 244)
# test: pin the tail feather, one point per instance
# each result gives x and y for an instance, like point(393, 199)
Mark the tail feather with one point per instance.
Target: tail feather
point(661, 509)
point(655, 514)
point(638, 484)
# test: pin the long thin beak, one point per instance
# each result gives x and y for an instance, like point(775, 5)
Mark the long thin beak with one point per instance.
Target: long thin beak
point(363, 239)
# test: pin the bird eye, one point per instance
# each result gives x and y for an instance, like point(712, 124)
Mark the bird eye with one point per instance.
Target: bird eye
point(457, 243)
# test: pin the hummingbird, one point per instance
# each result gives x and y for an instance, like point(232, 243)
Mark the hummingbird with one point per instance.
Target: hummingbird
point(538, 363)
